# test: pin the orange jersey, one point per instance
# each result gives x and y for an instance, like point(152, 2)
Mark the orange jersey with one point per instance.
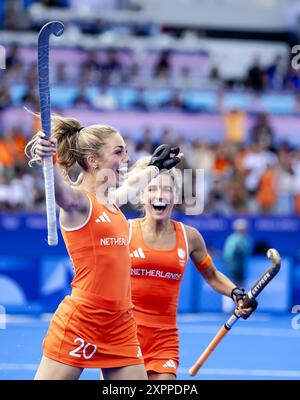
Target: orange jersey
point(100, 255)
point(95, 327)
point(156, 275)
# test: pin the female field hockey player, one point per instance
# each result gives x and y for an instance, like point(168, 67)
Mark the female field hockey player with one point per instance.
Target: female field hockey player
point(94, 326)
point(160, 248)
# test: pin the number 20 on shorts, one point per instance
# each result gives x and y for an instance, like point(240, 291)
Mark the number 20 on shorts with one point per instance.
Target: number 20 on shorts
point(82, 349)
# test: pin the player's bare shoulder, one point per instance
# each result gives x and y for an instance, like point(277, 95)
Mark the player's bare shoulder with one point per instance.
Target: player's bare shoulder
point(78, 210)
point(195, 239)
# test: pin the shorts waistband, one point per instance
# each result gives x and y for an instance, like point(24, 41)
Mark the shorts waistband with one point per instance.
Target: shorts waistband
point(100, 302)
point(143, 318)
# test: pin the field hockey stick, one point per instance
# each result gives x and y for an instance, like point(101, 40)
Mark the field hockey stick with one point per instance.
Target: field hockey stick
point(262, 282)
point(57, 29)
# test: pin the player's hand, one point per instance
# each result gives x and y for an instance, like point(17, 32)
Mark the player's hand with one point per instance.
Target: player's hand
point(165, 157)
point(43, 147)
point(245, 306)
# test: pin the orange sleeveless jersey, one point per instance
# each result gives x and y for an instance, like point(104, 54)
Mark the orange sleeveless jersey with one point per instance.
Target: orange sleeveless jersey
point(94, 327)
point(100, 255)
point(156, 275)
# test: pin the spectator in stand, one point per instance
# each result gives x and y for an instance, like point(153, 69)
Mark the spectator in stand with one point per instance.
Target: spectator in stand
point(91, 68)
point(241, 151)
point(14, 66)
point(184, 79)
point(237, 249)
point(133, 73)
point(292, 79)
point(18, 142)
point(256, 77)
point(112, 67)
point(13, 57)
point(30, 98)
point(222, 160)
point(61, 75)
point(7, 149)
point(168, 135)
point(32, 74)
point(12, 147)
point(81, 100)
point(285, 181)
point(256, 162)
point(236, 191)
point(214, 78)
point(276, 72)
point(5, 98)
point(266, 195)
point(175, 103)
point(262, 132)
point(18, 186)
point(162, 67)
point(235, 124)
point(148, 141)
point(202, 156)
point(140, 103)
point(217, 202)
point(105, 100)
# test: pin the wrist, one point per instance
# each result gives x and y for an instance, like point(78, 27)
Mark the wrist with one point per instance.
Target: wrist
point(156, 169)
point(237, 294)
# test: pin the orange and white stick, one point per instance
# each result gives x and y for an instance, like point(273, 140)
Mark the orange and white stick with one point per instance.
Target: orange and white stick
point(262, 282)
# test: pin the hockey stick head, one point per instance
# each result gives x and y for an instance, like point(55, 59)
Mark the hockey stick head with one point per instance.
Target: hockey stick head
point(54, 27)
point(275, 258)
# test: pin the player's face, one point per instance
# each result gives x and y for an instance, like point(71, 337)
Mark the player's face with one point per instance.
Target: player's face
point(159, 198)
point(114, 160)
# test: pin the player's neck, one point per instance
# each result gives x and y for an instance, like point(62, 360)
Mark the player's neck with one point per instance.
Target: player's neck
point(157, 227)
point(90, 184)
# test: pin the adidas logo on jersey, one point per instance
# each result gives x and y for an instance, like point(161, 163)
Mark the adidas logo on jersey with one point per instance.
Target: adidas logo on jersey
point(170, 364)
point(138, 253)
point(103, 218)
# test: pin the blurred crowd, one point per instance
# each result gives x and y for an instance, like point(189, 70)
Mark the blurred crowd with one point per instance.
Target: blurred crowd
point(262, 177)
point(102, 71)
point(257, 176)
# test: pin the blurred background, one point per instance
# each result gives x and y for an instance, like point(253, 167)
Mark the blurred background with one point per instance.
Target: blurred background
point(213, 76)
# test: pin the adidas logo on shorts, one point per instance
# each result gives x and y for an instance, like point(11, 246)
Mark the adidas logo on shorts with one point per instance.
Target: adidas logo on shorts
point(170, 364)
point(138, 253)
point(103, 218)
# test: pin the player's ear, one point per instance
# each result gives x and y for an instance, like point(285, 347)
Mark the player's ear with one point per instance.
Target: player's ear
point(92, 162)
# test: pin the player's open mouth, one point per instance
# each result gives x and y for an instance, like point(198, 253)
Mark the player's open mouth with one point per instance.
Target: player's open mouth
point(122, 169)
point(159, 206)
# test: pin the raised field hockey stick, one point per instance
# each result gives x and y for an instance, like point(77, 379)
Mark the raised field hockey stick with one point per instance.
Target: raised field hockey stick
point(262, 282)
point(57, 29)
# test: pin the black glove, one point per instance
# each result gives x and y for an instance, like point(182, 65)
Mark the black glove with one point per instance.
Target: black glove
point(161, 157)
point(238, 294)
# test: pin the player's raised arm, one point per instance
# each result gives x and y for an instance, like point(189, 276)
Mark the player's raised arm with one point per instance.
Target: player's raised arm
point(164, 157)
point(216, 279)
point(67, 197)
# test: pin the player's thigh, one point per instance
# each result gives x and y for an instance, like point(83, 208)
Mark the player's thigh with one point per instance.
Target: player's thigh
point(136, 372)
point(156, 376)
point(54, 370)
